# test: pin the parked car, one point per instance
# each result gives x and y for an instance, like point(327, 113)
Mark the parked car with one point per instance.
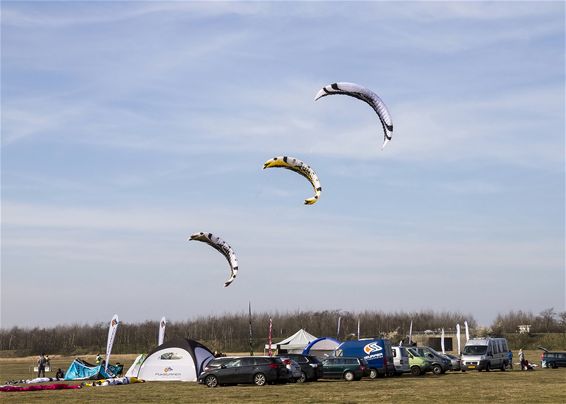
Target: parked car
point(417, 364)
point(376, 352)
point(485, 354)
point(400, 360)
point(311, 368)
point(439, 363)
point(344, 367)
point(258, 370)
point(455, 361)
point(295, 371)
point(552, 360)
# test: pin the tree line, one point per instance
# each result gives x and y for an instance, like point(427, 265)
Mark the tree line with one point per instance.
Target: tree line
point(231, 332)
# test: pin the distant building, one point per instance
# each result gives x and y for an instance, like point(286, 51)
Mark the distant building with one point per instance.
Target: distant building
point(524, 328)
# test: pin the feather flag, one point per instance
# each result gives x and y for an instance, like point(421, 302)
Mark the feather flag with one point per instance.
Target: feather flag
point(442, 341)
point(467, 331)
point(458, 337)
point(269, 337)
point(161, 335)
point(411, 333)
point(111, 334)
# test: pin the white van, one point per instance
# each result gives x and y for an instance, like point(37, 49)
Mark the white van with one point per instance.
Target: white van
point(485, 354)
point(401, 360)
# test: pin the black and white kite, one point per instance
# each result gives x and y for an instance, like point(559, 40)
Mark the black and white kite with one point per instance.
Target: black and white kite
point(222, 247)
point(366, 95)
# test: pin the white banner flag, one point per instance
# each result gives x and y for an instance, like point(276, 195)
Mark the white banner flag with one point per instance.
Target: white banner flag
point(161, 336)
point(442, 341)
point(458, 337)
point(111, 334)
point(411, 333)
point(467, 331)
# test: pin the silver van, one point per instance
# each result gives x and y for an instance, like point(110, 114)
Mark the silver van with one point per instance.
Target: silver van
point(485, 354)
point(401, 360)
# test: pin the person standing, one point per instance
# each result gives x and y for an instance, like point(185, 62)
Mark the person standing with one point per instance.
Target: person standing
point(522, 359)
point(41, 362)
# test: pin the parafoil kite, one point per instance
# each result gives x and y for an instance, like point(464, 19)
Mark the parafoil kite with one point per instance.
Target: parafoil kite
point(222, 247)
point(296, 165)
point(366, 95)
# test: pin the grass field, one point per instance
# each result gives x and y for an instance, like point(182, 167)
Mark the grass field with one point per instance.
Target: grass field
point(541, 385)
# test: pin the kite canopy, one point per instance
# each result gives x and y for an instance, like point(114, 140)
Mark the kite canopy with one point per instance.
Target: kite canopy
point(298, 166)
point(366, 95)
point(222, 247)
point(81, 370)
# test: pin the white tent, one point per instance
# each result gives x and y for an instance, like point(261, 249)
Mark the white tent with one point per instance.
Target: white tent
point(176, 360)
point(294, 344)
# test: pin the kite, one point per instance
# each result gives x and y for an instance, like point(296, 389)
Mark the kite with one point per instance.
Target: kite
point(222, 247)
point(293, 164)
point(366, 95)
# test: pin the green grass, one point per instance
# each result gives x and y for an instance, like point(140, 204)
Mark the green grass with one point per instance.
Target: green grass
point(541, 385)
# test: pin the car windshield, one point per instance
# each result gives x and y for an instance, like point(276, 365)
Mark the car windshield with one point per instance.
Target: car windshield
point(475, 349)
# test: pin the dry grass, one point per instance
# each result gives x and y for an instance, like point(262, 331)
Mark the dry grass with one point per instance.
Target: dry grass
point(541, 385)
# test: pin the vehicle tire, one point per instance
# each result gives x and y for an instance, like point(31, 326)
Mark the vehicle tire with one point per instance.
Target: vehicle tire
point(437, 369)
point(553, 365)
point(488, 367)
point(503, 367)
point(303, 378)
point(416, 371)
point(260, 379)
point(349, 376)
point(373, 373)
point(211, 381)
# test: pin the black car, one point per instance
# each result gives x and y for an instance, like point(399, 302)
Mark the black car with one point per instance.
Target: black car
point(311, 368)
point(553, 359)
point(258, 370)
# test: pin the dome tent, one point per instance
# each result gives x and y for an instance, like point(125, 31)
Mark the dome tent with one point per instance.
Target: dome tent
point(176, 360)
point(321, 347)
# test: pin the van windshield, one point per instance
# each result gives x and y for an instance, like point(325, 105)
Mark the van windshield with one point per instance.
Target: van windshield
point(475, 349)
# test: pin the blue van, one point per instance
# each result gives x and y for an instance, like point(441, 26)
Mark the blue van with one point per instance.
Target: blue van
point(377, 353)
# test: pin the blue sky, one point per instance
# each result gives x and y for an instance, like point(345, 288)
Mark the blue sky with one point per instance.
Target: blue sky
point(127, 126)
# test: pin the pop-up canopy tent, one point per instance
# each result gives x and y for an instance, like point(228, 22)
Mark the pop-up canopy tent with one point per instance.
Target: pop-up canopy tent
point(322, 347)
point(176, 360)
point(81, 370)
point(296, 343)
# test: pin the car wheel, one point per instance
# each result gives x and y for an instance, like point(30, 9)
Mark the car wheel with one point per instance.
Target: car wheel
point(349, 376)
point(436, 369)
point(211, 381)
point(553, 365)
point(303, 377)
point(373, 373)
point(503, 366)
point(416, 371)
point(488, 367)
point(259, 379)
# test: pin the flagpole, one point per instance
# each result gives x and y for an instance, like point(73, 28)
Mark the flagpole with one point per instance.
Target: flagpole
point(251, 336)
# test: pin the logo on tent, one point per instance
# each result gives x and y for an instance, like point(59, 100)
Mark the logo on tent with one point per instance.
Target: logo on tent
point(167, 369)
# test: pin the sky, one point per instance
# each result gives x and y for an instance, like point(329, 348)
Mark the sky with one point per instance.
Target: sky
point(127, 126)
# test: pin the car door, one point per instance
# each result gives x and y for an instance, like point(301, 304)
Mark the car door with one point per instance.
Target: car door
point(229, 371)
point(329, 366)
point(244, 370)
